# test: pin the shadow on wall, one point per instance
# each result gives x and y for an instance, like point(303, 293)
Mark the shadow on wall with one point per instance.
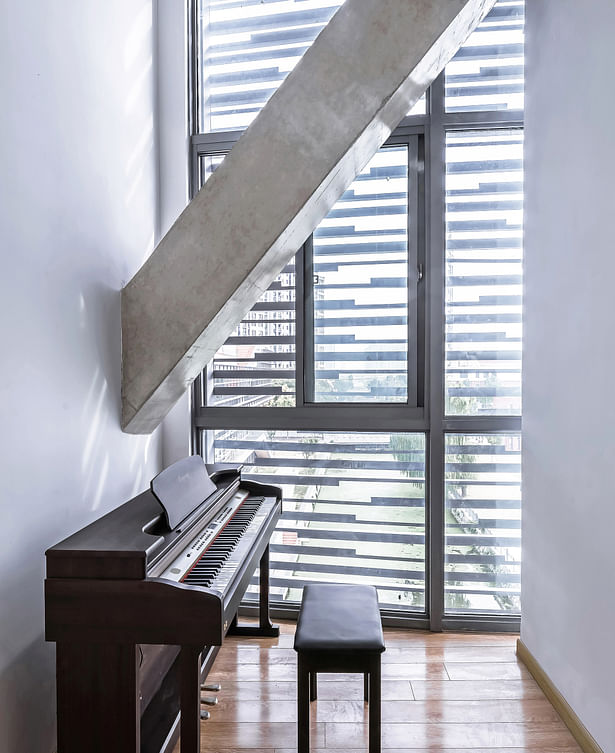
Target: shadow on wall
point(100, 320)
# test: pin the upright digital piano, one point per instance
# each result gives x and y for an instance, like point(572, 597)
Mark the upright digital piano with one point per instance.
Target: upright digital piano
point(139, 603)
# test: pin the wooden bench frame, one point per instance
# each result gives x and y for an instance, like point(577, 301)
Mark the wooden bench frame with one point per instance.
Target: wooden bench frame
point(343, 646)
point(310, 663)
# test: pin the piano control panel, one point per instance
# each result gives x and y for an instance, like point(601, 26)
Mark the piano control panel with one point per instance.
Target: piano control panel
point(189, 556)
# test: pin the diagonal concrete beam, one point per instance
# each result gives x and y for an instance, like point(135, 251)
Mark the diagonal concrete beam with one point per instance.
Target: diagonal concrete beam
point(365, 70)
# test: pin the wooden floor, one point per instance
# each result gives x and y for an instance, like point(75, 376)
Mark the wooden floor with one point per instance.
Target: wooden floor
point(441, 692)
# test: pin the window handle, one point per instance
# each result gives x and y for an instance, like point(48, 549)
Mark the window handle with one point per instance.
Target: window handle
point(419, 273)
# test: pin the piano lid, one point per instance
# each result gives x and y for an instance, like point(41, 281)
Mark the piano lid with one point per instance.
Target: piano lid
point(183, 486)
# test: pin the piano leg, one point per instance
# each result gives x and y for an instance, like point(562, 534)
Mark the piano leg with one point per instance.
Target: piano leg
point(265, 627)
point(98, 699)
point(190, 699)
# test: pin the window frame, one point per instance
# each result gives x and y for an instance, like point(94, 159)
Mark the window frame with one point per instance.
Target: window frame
point(428, 415)
point(308, 414)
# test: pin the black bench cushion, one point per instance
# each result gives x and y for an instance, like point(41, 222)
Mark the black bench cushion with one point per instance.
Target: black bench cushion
point(339, 618)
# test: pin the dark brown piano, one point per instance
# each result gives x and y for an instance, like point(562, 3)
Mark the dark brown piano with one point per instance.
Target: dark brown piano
point(139, 603)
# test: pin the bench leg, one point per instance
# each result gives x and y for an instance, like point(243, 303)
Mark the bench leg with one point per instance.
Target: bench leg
point(374, 705)
point(303, 706)
point(313, 686)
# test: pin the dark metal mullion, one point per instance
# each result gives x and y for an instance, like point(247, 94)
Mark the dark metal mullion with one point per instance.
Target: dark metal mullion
point(377, 417)
point(196, 434)
point(482, 424)
point(194, 173)
point(300, 327)
point(308, 321)
point(203, 385)
point(413, 270)
point(483, 120)
point(421, 323)
point(435, 297)
point(196, 392)
point(192, 99)
point(216, 141)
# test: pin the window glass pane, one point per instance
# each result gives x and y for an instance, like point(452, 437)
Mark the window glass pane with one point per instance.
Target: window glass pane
point(256, 365)
point(487, 72)
point(484, 229)
point(207, 165)
point(420, 108)
point(354, 509)
point(483, 523)
point(246, 50)
point(361, 288)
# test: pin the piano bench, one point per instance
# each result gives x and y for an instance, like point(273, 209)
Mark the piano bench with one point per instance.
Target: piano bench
point(339, 630)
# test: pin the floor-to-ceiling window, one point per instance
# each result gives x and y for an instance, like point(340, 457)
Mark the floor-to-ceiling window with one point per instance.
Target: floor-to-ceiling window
point(378, 379)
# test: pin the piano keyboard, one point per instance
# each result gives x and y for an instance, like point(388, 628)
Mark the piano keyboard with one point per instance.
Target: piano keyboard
point(213, 559)
point(216, 563)
point(197, 547)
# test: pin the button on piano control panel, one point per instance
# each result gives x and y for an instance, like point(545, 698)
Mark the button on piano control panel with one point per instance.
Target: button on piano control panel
point(190, 555)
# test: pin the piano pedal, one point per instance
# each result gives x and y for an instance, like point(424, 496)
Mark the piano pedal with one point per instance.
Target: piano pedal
point(214, 687)
point(205, 714)
point(209, 700)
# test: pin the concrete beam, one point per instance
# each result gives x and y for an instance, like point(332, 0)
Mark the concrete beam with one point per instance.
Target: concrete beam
point(365, 70)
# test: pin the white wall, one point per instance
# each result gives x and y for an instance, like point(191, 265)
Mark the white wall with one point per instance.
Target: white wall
point(569, 368)
point(77, 217)
point(174, 149)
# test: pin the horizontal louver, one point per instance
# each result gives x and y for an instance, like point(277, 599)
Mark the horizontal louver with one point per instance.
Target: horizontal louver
point(483, 523)
point(487, 72)
point(484, 233)
point(354, 509)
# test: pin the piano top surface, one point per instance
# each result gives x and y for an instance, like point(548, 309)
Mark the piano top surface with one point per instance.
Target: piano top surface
point(119, 531)
point(134, 531)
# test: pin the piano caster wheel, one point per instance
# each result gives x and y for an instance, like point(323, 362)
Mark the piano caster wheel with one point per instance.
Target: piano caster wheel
point(214, 687)
point(205, 714)
point(209, 700)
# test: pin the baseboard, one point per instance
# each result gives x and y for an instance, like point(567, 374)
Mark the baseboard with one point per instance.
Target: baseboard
point(560, 704)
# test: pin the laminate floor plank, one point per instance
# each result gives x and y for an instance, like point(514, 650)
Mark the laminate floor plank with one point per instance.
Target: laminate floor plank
point(420, 653)
point(255, 735)
point(416, 712)
point(279, 672)
point(525, 749)
point(442, 693)
point(350, 689)
point(483, 671)
point(400, 637)
point(474, 690)
point(473, 735)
